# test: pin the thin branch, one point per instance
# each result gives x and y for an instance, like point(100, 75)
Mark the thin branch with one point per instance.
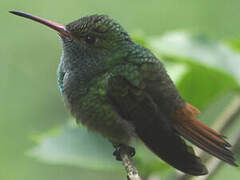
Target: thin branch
point(224, 121)
point(228, 116)
point(132, 172)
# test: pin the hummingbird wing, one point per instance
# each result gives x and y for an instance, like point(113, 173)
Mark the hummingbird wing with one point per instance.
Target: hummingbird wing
point(152, 126)
point(158, 113)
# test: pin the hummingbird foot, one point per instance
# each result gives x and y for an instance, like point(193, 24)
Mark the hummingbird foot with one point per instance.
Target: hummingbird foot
point(120, 148)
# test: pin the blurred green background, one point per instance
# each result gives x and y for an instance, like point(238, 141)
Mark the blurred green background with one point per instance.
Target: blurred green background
point(29, 54)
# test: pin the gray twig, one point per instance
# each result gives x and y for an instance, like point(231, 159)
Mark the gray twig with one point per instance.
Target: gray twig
point(132, 172)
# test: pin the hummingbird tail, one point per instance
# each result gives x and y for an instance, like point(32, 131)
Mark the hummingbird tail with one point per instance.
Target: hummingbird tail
point(201, 135)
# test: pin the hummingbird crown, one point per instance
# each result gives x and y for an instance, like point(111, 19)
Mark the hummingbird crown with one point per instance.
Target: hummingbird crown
point(99, 26)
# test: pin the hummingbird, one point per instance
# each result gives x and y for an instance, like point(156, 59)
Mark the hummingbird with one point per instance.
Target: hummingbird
point(121, 90)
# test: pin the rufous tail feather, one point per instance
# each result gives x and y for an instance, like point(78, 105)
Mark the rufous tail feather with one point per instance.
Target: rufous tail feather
point(201, 135)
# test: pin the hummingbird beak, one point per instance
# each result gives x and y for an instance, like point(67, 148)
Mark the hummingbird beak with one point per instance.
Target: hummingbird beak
point(57, 27)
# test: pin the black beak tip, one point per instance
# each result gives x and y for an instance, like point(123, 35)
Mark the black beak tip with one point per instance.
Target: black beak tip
point(18, 13)
point(13, 12)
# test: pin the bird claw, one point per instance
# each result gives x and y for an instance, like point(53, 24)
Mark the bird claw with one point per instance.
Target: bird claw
point(118, 148)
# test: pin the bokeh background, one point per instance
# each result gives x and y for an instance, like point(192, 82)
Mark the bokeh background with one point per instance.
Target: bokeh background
point(30, 103)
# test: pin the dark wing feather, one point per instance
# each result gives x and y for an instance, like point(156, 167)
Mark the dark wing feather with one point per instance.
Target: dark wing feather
point(153, 127)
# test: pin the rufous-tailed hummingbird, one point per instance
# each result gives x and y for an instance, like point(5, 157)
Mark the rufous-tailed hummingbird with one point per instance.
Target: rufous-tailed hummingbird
point(121, 90)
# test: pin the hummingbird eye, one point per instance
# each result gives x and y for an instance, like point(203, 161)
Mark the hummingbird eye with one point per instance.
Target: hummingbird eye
point(90, 39)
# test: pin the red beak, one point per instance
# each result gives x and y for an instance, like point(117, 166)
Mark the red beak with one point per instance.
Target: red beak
point(57, 27)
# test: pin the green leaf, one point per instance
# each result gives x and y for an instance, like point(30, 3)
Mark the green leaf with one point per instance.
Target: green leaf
point(199, 49)
point(202, 85)
point(74, 145)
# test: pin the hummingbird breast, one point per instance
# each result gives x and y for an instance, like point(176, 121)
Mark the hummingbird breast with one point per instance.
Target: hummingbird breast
point(89, 104)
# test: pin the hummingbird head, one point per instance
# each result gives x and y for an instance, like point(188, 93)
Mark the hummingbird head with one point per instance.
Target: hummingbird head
point(91, 45)
point(96, 42)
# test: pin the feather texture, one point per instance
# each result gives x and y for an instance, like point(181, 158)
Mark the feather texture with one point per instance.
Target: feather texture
point(155, 130)
point(201, 135)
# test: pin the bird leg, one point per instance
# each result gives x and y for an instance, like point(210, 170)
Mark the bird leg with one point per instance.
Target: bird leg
point(121, 147)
